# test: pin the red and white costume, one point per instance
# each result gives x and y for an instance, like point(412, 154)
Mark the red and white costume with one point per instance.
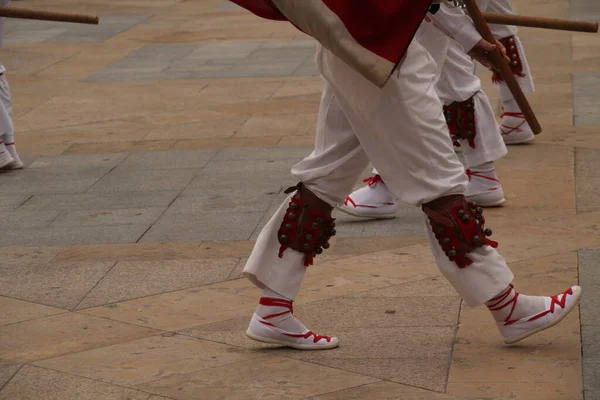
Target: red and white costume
point(359, 119)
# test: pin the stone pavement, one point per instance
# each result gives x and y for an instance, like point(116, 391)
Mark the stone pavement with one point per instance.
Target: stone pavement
point(157, 145)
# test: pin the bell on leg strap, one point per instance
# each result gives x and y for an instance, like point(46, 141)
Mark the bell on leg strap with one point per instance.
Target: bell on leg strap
point(458, 226)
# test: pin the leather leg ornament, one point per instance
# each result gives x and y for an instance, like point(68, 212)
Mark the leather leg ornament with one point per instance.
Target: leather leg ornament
point(458, 226)
point(460, 117)
point(512, 52)
point(307, 225)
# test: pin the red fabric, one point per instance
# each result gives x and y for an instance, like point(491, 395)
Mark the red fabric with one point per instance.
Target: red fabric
point(384, 27)
point(262, 8)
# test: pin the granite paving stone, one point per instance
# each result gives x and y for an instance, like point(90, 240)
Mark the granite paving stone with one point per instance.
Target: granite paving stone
point(171, 159)
point(7, 371)
point(95, 201)
point(133, 279)
point(36, 383)
point(147, 180)
point(8, 203)
point(270, 378)
point(79, 162)
point(39, 181)
point(13, 310)
point(198, 227)
point(222, 200)
point(126, 216)
point(149, 359)
point(258, 173)
point(586, 102)
point(62, 284)
point(10, 220)
point(64, 334)
point(74, 235)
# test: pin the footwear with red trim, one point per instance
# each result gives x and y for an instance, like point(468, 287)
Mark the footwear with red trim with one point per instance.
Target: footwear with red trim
point(484, 189)
point(5, 158)
point(515, 130)
point(16, 160)
point(371, 201)
point(268, 329)
point(556, 309)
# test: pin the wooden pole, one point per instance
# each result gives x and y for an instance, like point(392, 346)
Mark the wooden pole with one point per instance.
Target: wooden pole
point(502, 66)
point(539, 22)
point(22, 13)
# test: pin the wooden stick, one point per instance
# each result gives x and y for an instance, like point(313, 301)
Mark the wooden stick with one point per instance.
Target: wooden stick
point(502, 66)
point(22, 13)
point(544, 23)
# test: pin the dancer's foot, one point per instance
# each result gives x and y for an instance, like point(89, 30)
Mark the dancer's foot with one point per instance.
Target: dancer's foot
point(515, 130)
point(371, 201)
point(12, 150)
point(274, 323)
point(5, 158)
point(484, 188)
point(519, 316)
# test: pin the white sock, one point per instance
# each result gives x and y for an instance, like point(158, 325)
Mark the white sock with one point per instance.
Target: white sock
point(510, 106)
point(510, 305)
point(278, 310)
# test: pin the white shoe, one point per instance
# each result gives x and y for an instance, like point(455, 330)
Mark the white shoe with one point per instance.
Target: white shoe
point(264, 331)
point(372, 201)
point(557, 308)
point(515, 129)
point(5, 158)
point(16, 162)
point(484, 189)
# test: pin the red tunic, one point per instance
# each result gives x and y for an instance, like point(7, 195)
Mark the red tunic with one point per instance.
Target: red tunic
point(382, 29)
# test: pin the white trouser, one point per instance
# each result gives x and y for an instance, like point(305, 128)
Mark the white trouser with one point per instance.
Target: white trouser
point(501, 32)
point(6, 124)
point(458, 82)
point(401, 129)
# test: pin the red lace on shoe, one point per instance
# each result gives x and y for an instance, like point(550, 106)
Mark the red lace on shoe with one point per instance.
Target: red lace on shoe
point(477, 174)
point(555, 301)
point(373, 180)
point(508, 321)
point(273, 302)
point(370, 181)
point(507, 130)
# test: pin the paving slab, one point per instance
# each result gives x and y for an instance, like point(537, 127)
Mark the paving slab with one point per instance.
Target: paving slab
point(9, 203)
point(27, 219)
point(149, 359)
point(126, 216)
point(63, 334)
point(135, 279)
point(171, 159)
point(7, 371)
point(185, 227)
point(279, 378)
point(104, 201)
point(74, 235)
point(61, 284)
point(40, 181)
point(147, 180)
point(36, 383)
point(13, 310)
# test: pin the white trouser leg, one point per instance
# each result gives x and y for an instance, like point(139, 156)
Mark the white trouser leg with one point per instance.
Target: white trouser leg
point(403, 132)
point(330, 172)
point(501, 32)
point(458, 82)
point(6, 124)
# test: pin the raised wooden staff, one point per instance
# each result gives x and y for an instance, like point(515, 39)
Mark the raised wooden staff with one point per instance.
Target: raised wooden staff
point(22, 13)
point(502, 66)
point(539, 22)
